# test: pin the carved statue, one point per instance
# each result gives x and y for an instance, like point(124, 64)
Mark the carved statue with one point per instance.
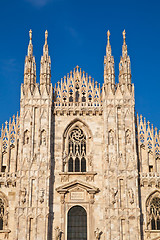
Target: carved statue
point(128, 137)
point(58, 232)
point(23, 194)
point(131, 195)
point(97, 234)
point(26, 137)
point(64, 157)
point(5, 218)
point(42, 196)
point(114, 192)
point(111, 138)
point(43, 137)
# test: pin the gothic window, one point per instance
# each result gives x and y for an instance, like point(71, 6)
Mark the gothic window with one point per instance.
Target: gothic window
point(77, 151)
point(1, 213)
point(83, 165)
point(26, 137)
point(155, 213)
point(77, 166)
point(70, 165)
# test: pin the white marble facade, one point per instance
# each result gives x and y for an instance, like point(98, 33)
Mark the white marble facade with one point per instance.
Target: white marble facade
point(76, 163)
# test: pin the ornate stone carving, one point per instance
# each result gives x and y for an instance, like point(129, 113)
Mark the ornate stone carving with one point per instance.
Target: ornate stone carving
point(43, 137)
point(111, 137)
point(128, 137)
point(26, 137)
point(131, 195)
point(114, 192)
point(23, 195)
point(41, 196)
point(58, 233)
point(97, 234)
point(5, 218)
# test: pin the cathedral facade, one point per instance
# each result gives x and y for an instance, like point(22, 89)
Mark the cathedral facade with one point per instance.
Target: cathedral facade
point(76, 162)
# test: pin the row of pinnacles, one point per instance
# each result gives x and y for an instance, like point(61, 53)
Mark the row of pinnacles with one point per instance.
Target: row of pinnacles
point(77, 86)
point(75, 93)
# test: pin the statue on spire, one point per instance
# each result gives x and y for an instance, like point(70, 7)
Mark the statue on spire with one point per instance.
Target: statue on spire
point(30, 46)
point(30, 66)
point(124, 48)
point(46, 37)
point(30, 35)
point(109, 77)
point(45, 69)
point(124, 36)
point(108, 36)
point(124, 66)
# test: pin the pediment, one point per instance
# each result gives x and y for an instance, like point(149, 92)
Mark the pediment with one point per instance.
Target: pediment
point(77, 184)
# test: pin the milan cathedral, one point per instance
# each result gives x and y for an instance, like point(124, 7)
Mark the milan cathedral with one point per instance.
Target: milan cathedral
point(76, 162)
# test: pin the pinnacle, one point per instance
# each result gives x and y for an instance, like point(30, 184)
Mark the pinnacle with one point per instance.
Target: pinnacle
point(124, 36)
point(30, 35)
point(108, 35)
point(46, 36)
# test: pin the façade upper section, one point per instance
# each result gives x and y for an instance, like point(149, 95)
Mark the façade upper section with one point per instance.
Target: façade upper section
point(77, 90)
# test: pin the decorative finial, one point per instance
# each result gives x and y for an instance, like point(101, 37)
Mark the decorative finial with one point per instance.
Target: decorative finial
point(30, 35)
point(124, 36)
point(46, 36)
point(108, 35)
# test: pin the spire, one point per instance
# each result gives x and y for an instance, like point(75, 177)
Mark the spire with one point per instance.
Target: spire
point(124, 47)
point(30, 46)
point(109, 74)
point(30, 66)
point(108, 48)
point(125, 66)
point(45, 71)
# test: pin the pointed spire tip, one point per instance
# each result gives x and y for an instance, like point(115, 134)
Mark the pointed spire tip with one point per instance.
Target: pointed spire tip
point(108, 35)
point(30, 35)
point(46, 36)
point(124, 36)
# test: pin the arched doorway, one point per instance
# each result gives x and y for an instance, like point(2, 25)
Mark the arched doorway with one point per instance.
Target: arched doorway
point(77, 224)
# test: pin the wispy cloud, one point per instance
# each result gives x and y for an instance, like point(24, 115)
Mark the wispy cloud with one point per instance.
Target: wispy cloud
point(75, 34)
point(39, 3)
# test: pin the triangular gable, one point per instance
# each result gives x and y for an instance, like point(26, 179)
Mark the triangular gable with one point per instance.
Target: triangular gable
point(67, 187)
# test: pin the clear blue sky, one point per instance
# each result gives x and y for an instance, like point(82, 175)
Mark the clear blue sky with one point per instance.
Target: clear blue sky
point(77, 36)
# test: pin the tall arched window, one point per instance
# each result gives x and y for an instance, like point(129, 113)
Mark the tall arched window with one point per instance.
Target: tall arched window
point(155, 213)
point(77, 224)
point(77, 151)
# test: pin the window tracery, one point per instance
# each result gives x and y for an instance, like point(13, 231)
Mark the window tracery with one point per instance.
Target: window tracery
point(76, 150)
point(155, 213)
